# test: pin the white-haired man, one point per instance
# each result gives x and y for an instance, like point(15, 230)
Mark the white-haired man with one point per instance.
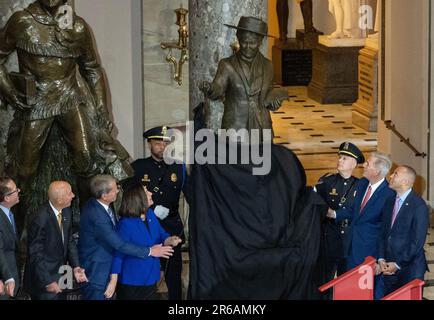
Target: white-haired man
point(367, 212)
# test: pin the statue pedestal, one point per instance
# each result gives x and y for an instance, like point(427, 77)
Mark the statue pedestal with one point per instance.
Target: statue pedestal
point(365, 110)
point(334, 74)
point(292, 66)
point(307, 40)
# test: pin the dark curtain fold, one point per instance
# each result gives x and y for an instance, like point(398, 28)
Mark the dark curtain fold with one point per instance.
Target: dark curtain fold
point(254, 237)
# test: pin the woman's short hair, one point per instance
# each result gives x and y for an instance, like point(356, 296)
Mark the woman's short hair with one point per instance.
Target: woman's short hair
point(134, 202)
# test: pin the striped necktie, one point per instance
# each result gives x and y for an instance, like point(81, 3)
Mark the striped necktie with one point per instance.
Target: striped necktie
point(12, 220)
point(112, 216)
point(395, 210)
point(366, 198)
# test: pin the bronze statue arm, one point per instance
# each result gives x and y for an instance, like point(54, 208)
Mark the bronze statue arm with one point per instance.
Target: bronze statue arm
point(216, 90)
point(8, 92)
point(275, 96)
point(92, 73)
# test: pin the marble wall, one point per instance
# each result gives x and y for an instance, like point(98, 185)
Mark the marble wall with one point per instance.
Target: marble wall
point(116, 27)
point(165, 102)
point(407, 85)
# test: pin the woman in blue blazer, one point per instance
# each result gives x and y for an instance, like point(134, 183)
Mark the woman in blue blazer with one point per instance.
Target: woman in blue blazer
point(137, 278)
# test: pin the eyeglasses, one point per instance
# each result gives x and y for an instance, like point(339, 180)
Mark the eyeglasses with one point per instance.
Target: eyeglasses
point(12, 192)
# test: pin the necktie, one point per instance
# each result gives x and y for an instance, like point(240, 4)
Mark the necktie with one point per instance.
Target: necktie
point(112, 216)
point(366, 198)
point(395, 210)
point(12, 220)
point(59, 219)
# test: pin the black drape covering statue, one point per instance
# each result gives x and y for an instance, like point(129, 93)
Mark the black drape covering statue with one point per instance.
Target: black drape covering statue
point(254, 237)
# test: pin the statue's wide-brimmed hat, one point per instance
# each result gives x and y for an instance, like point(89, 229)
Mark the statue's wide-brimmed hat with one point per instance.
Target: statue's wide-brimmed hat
point(252, 24)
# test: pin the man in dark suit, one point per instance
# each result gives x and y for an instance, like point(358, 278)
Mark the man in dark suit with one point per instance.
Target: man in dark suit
point(367, 213)
point(98, 239)
point(9, 274)
point(51, 244)
point(402, 257)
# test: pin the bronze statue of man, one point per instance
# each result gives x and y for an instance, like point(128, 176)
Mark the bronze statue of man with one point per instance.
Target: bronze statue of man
point(52, 44)
point(244, 81)
point(282, 9)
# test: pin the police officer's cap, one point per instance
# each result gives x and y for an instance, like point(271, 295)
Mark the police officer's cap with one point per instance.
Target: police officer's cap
point(158, 133)
point(349, 149)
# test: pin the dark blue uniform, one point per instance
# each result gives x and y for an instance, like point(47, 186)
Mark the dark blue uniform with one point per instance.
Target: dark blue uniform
point(338, 192)
point(166, 182)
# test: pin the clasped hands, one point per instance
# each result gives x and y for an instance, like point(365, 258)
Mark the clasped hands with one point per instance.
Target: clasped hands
point(7, 289)
point(385, 268)
point(79, 276)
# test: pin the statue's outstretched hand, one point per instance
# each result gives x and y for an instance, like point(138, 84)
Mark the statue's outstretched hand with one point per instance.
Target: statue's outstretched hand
point(273, 105)
point(275, 99)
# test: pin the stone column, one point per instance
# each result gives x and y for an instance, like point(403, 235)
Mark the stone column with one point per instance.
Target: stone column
point(210, 40)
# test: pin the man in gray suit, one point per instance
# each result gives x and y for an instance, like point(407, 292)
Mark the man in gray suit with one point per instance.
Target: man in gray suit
point(9, 275)
point(244, 81)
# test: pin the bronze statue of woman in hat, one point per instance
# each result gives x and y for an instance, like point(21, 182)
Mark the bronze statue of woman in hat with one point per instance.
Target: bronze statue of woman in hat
point(244, 81)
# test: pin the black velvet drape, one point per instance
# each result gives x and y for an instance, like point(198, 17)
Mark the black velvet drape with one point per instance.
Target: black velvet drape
point(254, 237)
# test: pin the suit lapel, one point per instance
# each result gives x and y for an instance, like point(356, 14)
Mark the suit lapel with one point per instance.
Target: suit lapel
point(374, 197)
point(65, 226)
point(404, 210)
point(53, 221)
point(100, 207)
point(360, 193)
point(5, 221)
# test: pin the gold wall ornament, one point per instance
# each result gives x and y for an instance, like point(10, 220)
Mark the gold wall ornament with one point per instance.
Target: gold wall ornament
point(182, 44)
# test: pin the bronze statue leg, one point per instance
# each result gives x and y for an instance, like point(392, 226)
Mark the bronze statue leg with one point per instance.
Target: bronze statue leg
point(77, 132)
point(282, 9)
point(306, 10)
point(32, 139)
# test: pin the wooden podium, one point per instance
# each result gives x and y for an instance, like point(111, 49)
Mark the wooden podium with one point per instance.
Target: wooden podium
point(411, 291)
point(356, 284)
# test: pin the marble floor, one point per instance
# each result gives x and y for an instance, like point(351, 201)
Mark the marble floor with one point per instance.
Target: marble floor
point(314, 132)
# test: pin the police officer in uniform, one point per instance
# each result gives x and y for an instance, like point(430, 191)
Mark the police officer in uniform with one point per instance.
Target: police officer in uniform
point(165, 181)
point(338, 190)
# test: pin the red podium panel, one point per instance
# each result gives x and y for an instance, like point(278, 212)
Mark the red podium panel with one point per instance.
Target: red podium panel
point(411, 291)
point(356, 284)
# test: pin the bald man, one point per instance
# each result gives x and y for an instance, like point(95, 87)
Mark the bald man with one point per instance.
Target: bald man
point(402, 257)
point(51, 245)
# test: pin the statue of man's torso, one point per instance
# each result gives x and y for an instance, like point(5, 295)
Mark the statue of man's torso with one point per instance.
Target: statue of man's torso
point(50, 55)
